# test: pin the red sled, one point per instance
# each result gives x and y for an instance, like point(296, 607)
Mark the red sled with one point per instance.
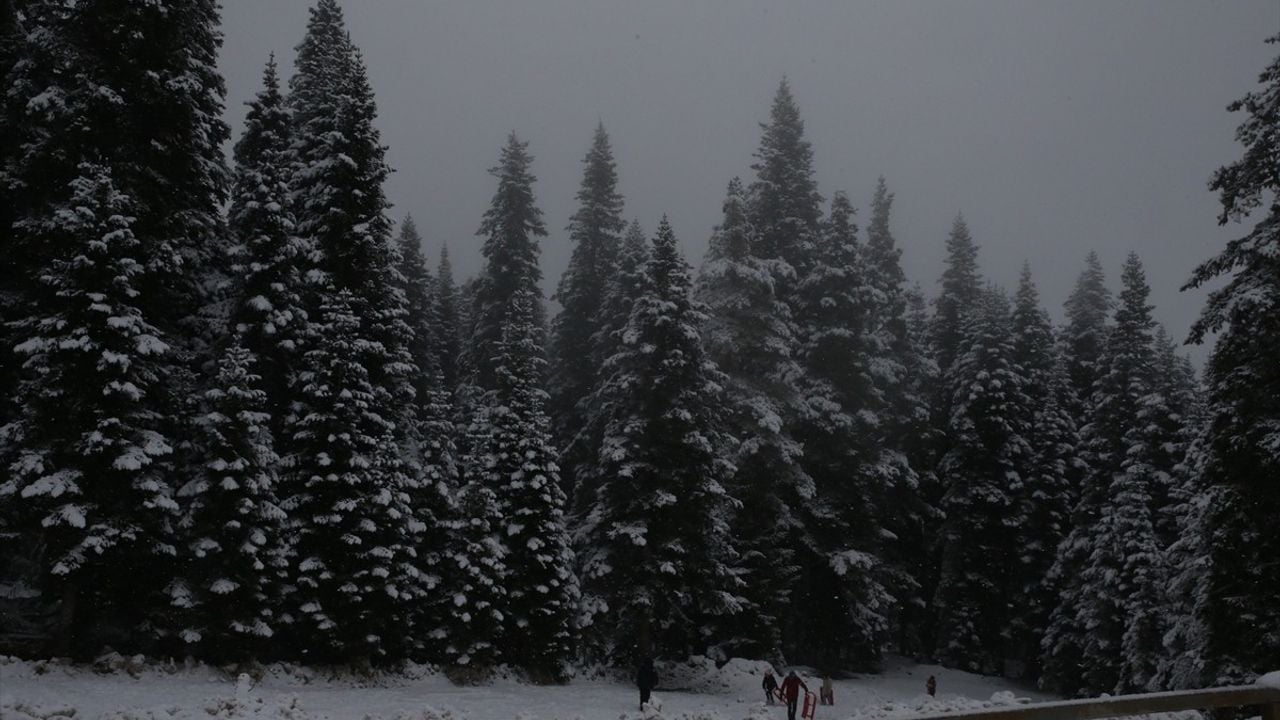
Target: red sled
point(810, 706)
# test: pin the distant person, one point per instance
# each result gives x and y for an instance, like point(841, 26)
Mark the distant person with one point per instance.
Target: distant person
point(770, 685)
point(826, 695)
point(791, 692)
point(646, 680)
point(931, 685)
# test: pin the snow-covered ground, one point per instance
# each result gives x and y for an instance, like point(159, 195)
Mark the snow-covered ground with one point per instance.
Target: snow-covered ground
point(45, 690)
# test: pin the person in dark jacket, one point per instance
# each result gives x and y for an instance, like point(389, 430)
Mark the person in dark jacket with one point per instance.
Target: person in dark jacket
point(931, 685)
point(646, 680)
point(770, 685)
point(791, 692)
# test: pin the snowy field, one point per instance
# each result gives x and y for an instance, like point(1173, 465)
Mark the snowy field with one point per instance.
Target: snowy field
point(46, 691)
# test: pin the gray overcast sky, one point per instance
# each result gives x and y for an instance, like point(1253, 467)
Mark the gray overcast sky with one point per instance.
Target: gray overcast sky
point(1055, 127)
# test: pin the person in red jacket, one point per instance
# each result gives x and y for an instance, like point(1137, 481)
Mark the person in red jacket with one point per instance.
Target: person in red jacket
point(791, 692)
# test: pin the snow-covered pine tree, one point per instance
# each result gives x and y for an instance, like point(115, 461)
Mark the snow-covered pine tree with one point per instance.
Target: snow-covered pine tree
point(983, 475)
point(1043, 507)
point(747, 333)
point(433, 462)
point(627, 284)
point(337, 196)
point(596, 233)
point(961, 290)
point(658, 560)
point(1104, 634)
point(510, 226)
point(355, 538)
point(90, 447)
point(231, 583)
point(907, 427)
point(267, 260)
point(1087, 310)
point(1240, 617)
point(517, 460)
point(784, 205)
point(448, 322)
point(847, 452)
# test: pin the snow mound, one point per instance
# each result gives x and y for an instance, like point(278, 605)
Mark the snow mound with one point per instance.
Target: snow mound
point(699, 674)
point(23, 711)
point(1271, 679)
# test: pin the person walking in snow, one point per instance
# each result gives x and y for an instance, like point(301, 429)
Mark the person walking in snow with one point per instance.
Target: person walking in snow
point(931, 685)
point(646, 680)
point(825, 693)
point(770, 685)
point(791, 692)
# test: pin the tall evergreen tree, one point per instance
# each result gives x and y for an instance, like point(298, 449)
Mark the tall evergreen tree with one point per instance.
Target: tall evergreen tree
point(907, 427)
point(747, 334)
point(510, 227)
point(267, 260)
point(356, 573)
point(236, 565)
point(1043, 505)
point(784, 206)
point(518, 461)
point(982, 473)
point(658, 559)
point(846, 451)
point(114, 107)
point(1240, 617)
point(961, 287)
point(449, 342)
point(1105, 629)
point(1085, 334)
point(90, 446)
point(596, 233)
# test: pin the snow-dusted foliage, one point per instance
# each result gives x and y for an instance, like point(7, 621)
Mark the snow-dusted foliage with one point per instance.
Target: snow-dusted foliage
point(518, 462)
point(1085, 333)
point(961, 289)
point(658, 567)
point(1050, 473)
point(1242, 447)
point(448, 323)
point(747, 332)
point(89, 453)
point(355, 571)
point(267, 259)
point(511, 226)
point(230, 587)
point(983, 475)
point(845, 354)
point(1105, 634)
point(596, 233)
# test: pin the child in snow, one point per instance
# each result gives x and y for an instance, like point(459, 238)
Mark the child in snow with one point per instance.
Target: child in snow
point(825, 694)
point(770, 685)
point(931, 685)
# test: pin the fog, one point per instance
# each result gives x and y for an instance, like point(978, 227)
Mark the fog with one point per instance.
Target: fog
point(1056, 128)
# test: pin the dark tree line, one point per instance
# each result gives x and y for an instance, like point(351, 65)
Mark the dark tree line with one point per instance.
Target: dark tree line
point(278, 432)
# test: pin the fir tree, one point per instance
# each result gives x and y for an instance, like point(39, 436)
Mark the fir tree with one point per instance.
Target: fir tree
point(1085, 334)
point(1104, 631)
point(961, 287)
point(356, 569)
point(982, 473)
point(267, 260)
point(747, 334)
point(231, 583)
point(657, 556)
point(595, 231)
point(510, 227)
point(518, 461)
point(449, 340)
point(1240, 617)
point(785, 206)
point(846, 451)
point(89, 448)
point(1043, 507)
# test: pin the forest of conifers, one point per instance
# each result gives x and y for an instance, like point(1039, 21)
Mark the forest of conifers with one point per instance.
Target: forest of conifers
point(243, 418)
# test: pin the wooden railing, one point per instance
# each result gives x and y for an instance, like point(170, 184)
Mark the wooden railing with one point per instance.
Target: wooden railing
point(1264, 697)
